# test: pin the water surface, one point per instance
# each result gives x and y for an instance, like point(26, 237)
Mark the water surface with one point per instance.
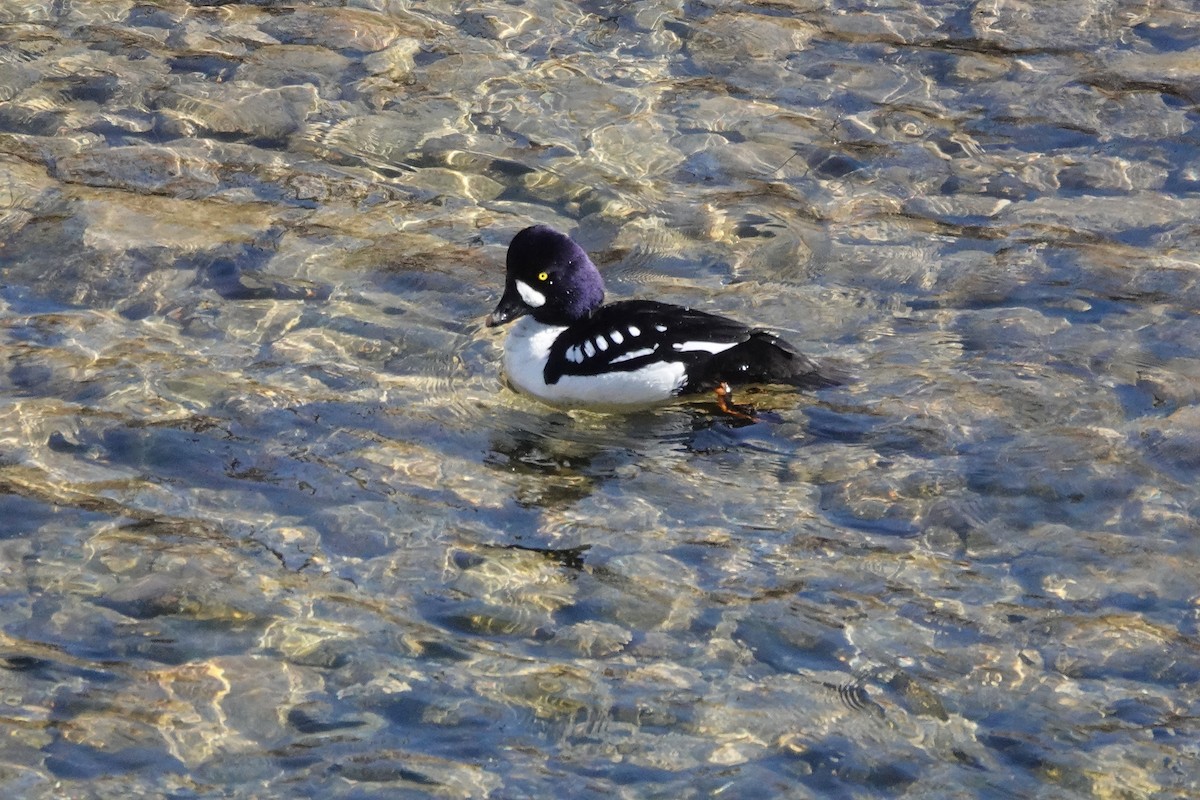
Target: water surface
point(274, 526)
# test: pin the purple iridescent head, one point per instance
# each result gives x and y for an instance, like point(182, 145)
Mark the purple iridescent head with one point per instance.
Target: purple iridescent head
point(550, 277)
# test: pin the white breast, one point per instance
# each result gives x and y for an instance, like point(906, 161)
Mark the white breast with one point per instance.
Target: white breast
point(528, 346)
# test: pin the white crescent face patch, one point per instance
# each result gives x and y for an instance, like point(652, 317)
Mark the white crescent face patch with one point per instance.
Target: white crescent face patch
point(530, 295)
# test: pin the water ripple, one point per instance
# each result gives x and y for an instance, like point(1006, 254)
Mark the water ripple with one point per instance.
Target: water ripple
point(275, 523)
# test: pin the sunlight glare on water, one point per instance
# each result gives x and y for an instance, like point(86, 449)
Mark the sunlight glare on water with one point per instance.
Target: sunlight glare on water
point(275, 526)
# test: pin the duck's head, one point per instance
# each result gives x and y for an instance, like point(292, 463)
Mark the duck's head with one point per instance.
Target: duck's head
point(550, 277)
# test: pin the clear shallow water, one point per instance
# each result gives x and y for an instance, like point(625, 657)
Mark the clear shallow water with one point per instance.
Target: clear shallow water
point(273, 526)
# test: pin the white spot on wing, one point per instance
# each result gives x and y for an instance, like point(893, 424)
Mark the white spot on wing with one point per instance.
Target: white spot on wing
point(602, 343)
point(589, 349)
point(707, 347)
point(660, 328)
point(634, 331)
point(632, 354)
point(616, 337)
point(530, 295)
point(573, 354)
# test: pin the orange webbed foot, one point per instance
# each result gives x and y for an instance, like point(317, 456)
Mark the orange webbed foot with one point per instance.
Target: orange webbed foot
point(724, 402)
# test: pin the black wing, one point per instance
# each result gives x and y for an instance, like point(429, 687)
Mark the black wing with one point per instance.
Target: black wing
point(632, 334)
point(628, 335)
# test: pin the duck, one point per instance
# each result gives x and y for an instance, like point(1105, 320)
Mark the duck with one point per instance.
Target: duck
point(568, 349)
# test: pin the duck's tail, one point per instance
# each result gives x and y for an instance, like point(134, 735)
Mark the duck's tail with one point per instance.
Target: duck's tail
point(765, 358)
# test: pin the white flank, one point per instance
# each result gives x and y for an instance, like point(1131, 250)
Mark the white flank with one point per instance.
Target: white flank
point(530, 295)
point(708, 347)
point(528, 346)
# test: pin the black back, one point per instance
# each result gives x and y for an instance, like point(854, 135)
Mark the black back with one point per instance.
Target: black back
point(631, 334)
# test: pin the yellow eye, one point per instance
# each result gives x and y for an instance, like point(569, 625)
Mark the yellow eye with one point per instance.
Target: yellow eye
point(543, 276)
